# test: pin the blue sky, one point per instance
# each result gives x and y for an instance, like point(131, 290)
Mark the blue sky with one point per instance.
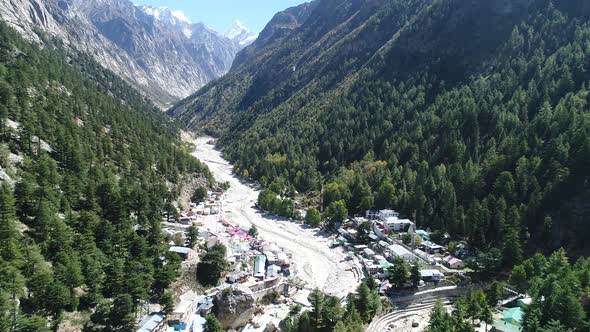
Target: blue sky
point(220, 14)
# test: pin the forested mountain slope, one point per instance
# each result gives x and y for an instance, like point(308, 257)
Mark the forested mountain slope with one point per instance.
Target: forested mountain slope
point(164, 56)
point(87, 167)
point(472, 114)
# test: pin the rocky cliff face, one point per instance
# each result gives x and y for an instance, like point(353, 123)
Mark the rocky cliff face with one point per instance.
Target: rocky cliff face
point(157, 50)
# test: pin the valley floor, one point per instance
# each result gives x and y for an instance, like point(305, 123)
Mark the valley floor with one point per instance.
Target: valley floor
point(315, 263)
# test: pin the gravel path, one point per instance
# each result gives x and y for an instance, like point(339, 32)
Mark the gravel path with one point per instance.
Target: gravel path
point(315, 263)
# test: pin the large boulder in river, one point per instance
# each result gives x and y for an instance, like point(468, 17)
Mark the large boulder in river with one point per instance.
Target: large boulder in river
point(234, 307)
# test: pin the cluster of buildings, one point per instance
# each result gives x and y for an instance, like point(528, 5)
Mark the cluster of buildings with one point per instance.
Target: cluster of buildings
point(252, 261)
point(188, 315)
point(270, 263)
point(377, 261)
point(256, 266)
point(377, 258)
point(387, 229)
point(211, 206)
point(386, 222)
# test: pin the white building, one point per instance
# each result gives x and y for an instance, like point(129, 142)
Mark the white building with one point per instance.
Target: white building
point(380, 214)
point(359, 220)
point(432, 248)
point(273, 271)
point(241, 251)
point(360, 247)
point(187, 220)
point(425, 256)
point(431, 275)
point(373, 270)
point(394, 224)
point(368, 252)
point(396, 250)
point(271, 257)
point(282, 258)
point(371, 214)
point(184, 252)
point(183, 312)
point(379, 258)
point(380, 230)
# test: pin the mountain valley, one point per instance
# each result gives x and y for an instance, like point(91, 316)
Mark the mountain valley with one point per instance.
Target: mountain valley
point(164, 56)
point(357, 165)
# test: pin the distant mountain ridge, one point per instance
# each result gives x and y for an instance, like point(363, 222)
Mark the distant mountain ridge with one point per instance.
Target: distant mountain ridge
point(157, 50)
point(317, 50)
point(249, 62)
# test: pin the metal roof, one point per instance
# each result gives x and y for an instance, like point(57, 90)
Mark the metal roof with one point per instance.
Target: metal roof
point(399, 250)
point(149, 323)
point(181, 250)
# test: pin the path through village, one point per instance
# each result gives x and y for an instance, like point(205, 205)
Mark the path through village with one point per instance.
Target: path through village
point(315, 263)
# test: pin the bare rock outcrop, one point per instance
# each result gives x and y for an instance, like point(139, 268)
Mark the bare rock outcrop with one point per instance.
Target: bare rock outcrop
point(234, 307)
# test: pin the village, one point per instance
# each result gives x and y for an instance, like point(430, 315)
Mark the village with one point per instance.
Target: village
point(263, 273)
point(443, 273)
point(255, 268)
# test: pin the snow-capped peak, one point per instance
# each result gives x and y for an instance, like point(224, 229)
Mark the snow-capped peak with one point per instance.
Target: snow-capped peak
point(179, 15)
point(236, 30)
point(240, 34)
point(152, 11)
point(241, 26)
point(165, 14)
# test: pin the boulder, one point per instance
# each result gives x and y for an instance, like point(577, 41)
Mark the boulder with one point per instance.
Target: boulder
point(271, 327)
point(234, 307)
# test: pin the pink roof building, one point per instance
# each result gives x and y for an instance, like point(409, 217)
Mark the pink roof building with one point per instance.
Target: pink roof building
point(453, 262)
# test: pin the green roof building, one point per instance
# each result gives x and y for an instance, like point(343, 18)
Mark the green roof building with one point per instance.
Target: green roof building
point(513, 316)
point(502, 326)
